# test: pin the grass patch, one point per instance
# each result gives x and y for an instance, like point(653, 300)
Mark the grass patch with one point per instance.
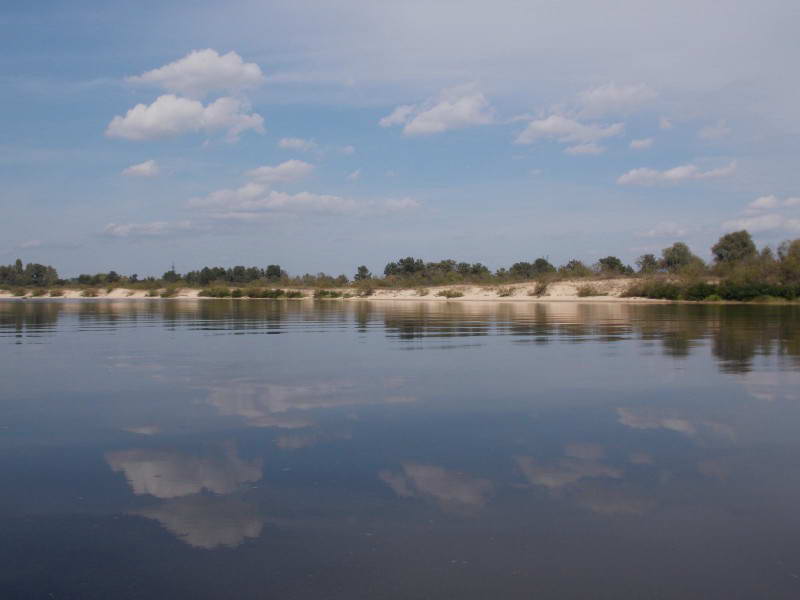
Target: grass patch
point(327, 294)
point(450, 294)
point(585, 291)
point(505, 292)
point(170, 292)
point(215, 292)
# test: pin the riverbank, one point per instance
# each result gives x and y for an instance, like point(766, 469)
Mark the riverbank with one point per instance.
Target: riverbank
point(584, 290)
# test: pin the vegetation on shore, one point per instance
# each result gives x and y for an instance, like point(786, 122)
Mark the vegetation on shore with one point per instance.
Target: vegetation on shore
point(738, 272)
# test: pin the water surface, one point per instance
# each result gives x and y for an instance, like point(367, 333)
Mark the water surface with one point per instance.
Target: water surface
point(280, 449)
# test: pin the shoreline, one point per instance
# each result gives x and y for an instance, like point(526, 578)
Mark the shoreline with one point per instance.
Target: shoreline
point(609, 291)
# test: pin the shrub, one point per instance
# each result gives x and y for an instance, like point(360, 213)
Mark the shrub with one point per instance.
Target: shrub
point(89, 293)
point(327, 294)
point(215, 292)
point(152, 293)
point(56, 293)
point(38, 292)
point(540, 289)
point(169, 292)
point(109, 289)
point(713, 298)
point(237, 293)
point(699, 291)
point(585, 291)
point(505, 292)
point(423, 291)
point(450, 293)
point(19, 292)
point(295, 294)
point(364, 291)
point(655, 289)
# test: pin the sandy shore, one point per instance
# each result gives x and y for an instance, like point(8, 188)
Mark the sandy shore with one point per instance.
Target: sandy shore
point(609, 290)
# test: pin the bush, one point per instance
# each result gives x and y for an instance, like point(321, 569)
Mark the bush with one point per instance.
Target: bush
point(169, 292)
point(423, 291)
point(450, 294)
point(505, 292)
point(327, 294)
point(56, 293)
point(295, 294)
point(89, 293)
point(215, 292)
point(540, 289)
point(585, 291)
point(237, 293)
point(699, 291)
point(38, 292)
point(152, 293)
point(655, 289)
point(364, 291)
point(713, 298)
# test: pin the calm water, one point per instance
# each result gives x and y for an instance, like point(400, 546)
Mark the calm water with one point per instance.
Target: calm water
point(277, 449)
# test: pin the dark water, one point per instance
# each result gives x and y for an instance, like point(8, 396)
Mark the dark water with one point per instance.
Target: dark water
point(274, 449)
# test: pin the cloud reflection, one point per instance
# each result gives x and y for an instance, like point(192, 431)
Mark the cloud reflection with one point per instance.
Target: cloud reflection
point(453, 491)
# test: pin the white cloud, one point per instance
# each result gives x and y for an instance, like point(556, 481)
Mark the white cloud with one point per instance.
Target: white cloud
point(769, 202)
point(646, 176)
point(566, 130)
point(155, 228)
point(664, 123)
point(204, 71)
point(454, 108)
point(714, 132)
point(590, 148)
point(169, 116)
point(642, 144)
point(664, 229)
point(354, 176)
point(249, 200)
point(399, 116)
point(764, 203)
point(401, 204)
point(614, 99)
point(763, 223)
point(297, 144)
point(291, 170)
point(347, 150)
point(148, 168)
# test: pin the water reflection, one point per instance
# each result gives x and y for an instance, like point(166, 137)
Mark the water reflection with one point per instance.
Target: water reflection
point(680, 329)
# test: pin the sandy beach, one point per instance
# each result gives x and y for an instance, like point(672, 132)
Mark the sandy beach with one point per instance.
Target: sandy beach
point(609, 290)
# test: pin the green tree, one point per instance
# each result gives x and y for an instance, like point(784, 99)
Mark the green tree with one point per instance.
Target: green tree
point(362, 273)
point(676, 257)
point(274, 272)
point(647, 263)
point(734, 247)
point(612, 265)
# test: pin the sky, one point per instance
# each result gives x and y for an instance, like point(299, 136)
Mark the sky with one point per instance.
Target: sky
point(321, 136)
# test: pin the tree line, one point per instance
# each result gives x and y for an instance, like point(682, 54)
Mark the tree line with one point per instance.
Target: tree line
point(735, 258)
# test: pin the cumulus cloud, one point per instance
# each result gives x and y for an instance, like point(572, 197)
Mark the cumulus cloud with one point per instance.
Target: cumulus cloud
point(152, 229)
point(148, 168)
point(763, 223)
point(647, 176)
point(664, 229)
point(568, 131)
point(642, 144)
point(614, 99)
point(203, 71)
point(170, 116)
point(763, 203)
point(714, 132)
point(454, 108)
point(286, 172)
point(297, 144)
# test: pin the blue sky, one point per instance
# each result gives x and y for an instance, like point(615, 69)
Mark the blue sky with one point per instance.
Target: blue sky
point(321, 136)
